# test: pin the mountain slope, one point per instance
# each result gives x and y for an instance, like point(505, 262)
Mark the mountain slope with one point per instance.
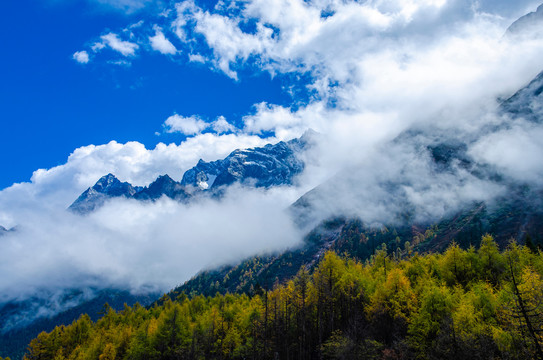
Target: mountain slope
point(516, 214)
point(528, 24)
point(527, 103)
point(514, 217)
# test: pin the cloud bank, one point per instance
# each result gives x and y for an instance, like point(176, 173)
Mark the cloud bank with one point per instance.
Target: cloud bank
point(135, 245)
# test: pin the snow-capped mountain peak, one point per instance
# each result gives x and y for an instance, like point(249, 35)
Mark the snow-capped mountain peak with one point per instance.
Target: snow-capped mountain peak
point(271, 165)
point(106, 187)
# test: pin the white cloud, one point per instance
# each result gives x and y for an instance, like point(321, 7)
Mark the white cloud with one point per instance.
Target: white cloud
point(161, 44)
point(516, 151)
point(81, 57)
point(270, 118)
point(222, 126)
point(97, 46)
point(120, 62)
point(126, 48)
point(197, 58)
point(133, 244)
point(191, 125)
point(292, 36)
point(228, 42)
point(184, 10)
point(136, 25)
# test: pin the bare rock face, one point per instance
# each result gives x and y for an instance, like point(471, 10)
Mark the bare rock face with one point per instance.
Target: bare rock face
point(107, 187)
point(163, 186)
point(271, 165)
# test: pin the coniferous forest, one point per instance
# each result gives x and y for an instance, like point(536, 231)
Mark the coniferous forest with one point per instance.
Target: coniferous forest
point(462, 304)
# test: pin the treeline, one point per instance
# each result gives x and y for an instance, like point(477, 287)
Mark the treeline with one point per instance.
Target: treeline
point(462, 304)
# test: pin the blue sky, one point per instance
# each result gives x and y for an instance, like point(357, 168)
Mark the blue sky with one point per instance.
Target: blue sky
point(227, 59)
point(52, 104)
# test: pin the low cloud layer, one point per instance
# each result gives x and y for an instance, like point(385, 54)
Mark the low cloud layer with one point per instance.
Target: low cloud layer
point(137, 245)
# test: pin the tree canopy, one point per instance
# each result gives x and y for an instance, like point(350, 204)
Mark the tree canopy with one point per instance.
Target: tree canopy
point(464, 303)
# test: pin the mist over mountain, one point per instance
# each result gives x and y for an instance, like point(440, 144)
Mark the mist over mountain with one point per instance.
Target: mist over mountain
point(428, 116)
point(244, 169)
point(526, 103)
point(466, 200)
point(528, 25)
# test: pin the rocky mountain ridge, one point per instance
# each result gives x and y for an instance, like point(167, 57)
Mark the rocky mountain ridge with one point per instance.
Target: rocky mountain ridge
point(264, 167)
point(528, 25)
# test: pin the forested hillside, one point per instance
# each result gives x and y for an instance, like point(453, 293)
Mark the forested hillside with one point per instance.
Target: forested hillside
point(517, 216)
point(475, 303)
point(15, 341)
